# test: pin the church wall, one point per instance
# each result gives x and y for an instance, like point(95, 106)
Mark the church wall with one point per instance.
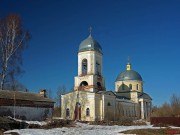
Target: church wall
point(134, 96)
point(125, 94)
point(92, 57)
point(126, 108)
point(91, 80)
point(28, 113)
point(118, 85)
point(98, 107)
point(98, 59)
point(86, 100)
point(68, 101)
point(88, 78)
point(109, 107)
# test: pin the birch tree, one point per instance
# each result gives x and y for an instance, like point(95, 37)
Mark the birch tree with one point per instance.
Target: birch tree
point(13, 41)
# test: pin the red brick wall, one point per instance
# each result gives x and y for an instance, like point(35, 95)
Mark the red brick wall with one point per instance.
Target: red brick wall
point(173, 121)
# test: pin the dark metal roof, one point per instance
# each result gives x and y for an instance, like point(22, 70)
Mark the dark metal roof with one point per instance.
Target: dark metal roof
point(129, 75)
point(106, 92)
point(90, 44)
point(6, 94)
point(122, 97)
point(144, 96)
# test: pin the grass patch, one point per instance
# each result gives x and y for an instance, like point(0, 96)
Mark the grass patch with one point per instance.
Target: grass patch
point(161, 131)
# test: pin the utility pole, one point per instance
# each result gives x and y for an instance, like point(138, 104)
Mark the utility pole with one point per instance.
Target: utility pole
point(14, 105)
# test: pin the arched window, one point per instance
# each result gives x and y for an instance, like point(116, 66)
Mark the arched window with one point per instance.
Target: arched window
point(87, 112)
point(99, 86)
point(130, 86)
point(137, 87)
point(83, 83)
point(84, 66)
point(108, 104)
point(98, 68)
point(67, 112)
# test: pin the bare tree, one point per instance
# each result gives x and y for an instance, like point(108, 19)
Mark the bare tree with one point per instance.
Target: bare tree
point(61, 90)
point(171, 109)
point(14, 71)
point(175, 105)
point(17, 86)
point(13, 41)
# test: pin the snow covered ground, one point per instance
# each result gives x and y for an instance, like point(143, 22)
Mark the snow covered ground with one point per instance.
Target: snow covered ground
point(80, 129)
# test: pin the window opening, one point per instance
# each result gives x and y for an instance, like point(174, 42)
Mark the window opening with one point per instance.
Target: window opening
point(130, 86)
point(87, 112)
point(67, 112)
point(84, 66)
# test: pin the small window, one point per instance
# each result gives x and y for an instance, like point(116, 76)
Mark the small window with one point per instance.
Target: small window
point(108, 104)
point(87, 112)
point(67, 112)
point(84, 66)
point(130, 86)
point(137, 87)
point(97, 68)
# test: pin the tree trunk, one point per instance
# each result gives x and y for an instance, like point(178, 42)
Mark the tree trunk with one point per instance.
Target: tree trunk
point(3, 75)
point(2, 81)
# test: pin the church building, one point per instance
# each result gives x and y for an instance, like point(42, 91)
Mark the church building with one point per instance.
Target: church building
point(90, 101)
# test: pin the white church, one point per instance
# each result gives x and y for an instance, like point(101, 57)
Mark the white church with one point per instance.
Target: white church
point(90, 101)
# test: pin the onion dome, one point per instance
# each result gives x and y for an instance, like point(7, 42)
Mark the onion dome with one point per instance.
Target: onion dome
point(129, 75)
point(90, 44)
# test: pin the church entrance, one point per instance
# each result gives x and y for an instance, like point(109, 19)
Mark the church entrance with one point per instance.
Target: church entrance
point(77, 111)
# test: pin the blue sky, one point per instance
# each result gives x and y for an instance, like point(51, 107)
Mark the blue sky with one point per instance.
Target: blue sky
point(146, 30)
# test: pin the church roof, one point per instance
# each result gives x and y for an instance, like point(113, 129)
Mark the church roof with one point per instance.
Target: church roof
point(122, 97)
point(6, 94)
point(144, 96)
point(106, 93)
point(90, 44)
point(129, 75)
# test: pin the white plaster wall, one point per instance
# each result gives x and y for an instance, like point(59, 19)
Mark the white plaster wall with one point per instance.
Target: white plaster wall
point(109, 111)
point(86, 100)
point(88, 78)
point(92, 57)
point(30, 113)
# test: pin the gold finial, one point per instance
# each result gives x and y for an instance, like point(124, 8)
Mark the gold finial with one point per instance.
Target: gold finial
point(90, 30)
point(128, 66)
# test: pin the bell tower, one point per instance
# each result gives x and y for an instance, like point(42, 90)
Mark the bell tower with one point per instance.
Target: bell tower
point(90, 77)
